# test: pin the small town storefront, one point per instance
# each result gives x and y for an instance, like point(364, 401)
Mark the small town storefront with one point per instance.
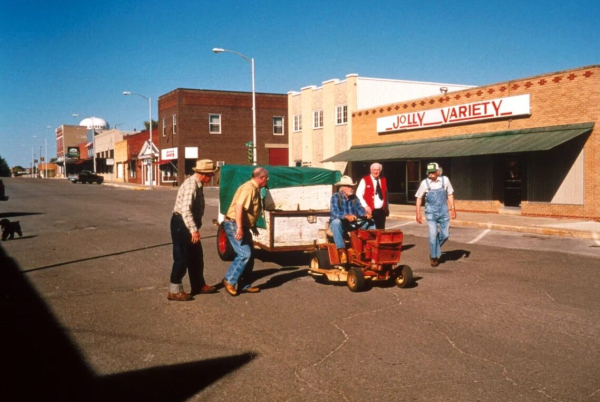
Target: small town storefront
point(170, 163)
point(524, 145)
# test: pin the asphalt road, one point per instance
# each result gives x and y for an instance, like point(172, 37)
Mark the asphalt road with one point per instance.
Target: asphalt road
point(505, 318)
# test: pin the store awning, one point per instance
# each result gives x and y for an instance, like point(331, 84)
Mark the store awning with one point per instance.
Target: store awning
point(165, 162)
point(501, 142)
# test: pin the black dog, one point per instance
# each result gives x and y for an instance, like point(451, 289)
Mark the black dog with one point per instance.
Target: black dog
point(10, 228)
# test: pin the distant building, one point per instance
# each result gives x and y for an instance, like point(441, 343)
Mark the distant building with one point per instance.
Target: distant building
point(129, 161)
point(217, 125)
point(68, 138)
point(319, 118)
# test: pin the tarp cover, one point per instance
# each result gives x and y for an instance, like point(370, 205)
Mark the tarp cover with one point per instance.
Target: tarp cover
point(233, 176)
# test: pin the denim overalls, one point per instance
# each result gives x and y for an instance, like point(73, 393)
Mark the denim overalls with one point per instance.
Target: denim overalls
point(436, 213)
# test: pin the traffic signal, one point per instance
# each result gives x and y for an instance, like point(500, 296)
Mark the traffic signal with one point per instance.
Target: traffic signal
point(250, 151)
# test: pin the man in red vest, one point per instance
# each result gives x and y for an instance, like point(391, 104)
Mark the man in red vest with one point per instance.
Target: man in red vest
point(372, 192)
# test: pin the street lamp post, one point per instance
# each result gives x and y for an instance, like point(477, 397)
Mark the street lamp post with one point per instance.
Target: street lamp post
point(251, 61)
point(149, 129)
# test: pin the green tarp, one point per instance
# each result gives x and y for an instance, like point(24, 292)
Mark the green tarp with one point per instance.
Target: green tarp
point(527, 140)
point(233, 176)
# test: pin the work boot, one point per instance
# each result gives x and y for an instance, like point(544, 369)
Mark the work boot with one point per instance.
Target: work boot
point(343, 256)
point(434, 262)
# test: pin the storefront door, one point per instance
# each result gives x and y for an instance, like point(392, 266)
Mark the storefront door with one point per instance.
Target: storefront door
point(513, 182)
point(413, 180)
point(149, 176)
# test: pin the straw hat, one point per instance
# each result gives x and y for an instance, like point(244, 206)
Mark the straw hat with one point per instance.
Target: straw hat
point(205, 166)
point(345, 181)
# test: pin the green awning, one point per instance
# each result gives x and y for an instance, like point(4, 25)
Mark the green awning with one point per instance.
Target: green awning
point(501, 142)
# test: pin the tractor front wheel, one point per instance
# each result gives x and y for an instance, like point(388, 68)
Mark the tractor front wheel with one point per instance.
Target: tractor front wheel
point(356, 280)
point(404, 277)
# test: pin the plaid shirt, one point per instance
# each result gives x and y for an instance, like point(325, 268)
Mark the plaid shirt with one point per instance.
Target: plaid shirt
point(350, 206)
point(190, 203)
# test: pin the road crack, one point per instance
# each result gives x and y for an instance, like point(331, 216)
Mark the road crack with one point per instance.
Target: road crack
point(453, 344)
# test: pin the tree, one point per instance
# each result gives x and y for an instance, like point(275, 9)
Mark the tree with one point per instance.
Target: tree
point(4, 170)
point(154, 125)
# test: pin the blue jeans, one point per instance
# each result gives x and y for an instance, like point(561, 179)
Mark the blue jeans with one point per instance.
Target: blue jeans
point(437, 238)
point(241, 268)
point(341, 226)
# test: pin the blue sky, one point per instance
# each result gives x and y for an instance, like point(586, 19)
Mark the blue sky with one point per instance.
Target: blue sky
point(63, 57)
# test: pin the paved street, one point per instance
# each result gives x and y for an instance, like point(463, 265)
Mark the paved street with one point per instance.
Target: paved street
point(507, 317)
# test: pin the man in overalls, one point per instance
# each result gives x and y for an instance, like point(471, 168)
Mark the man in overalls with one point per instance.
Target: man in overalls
point(439, 196)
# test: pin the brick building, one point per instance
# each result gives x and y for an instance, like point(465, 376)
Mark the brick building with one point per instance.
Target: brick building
point(520, 146)
point(130, 167)
point(217, 125)
point(68, 139)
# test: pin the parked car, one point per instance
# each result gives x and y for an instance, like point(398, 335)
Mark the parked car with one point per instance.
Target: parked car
point(86, 176)
point(2, 196)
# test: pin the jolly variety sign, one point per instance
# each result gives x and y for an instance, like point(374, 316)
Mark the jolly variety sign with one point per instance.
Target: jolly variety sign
point(489, 109)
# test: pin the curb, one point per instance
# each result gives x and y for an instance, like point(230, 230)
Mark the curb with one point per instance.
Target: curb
point(519, 229)
point(127, 186)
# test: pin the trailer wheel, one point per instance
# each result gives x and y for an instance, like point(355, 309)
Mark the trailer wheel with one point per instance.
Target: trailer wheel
point(224, 248)
point(356, 280)
point(405, 276)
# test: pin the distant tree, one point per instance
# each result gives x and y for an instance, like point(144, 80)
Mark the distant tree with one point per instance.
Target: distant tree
point(154, 125)
point(4, 169)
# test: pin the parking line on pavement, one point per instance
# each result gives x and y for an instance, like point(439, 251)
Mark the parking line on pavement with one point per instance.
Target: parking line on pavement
point(481, 235)
point(401, 224)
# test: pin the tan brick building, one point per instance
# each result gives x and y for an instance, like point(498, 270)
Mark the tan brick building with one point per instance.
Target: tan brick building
point(526, 146)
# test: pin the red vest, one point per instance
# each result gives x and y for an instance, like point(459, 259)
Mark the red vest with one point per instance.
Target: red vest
point(370, 191)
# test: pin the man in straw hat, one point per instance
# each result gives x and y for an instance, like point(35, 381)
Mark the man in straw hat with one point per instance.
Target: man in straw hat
point(345, 210)
point(185, 233)
point(439, 197)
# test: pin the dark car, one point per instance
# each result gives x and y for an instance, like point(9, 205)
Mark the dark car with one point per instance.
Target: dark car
point(2, 196)
point(87, 176)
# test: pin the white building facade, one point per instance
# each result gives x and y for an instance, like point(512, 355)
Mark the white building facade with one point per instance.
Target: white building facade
point(320, 118)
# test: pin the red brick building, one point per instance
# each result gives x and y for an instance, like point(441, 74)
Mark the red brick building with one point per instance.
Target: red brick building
point(217, 125)
point(523, 146)
point(128, 163)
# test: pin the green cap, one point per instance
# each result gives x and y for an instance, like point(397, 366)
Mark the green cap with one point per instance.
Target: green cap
point(432, 167)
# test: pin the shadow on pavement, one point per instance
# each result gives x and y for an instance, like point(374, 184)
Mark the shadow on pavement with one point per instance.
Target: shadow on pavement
point(454, 255)
point(95, 258)
point(43, 363)
point(15, 214)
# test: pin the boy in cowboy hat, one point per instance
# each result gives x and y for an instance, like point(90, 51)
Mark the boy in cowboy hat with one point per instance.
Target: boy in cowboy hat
point(185, 233)
point(345, 209)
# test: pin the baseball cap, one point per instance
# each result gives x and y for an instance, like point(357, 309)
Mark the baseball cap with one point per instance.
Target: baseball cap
point(432, 167)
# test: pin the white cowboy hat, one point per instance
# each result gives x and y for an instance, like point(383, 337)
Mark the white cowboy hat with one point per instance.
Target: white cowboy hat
point(345, 181)
point(205, 166)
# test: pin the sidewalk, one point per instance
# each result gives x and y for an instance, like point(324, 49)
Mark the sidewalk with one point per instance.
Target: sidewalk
point(577, 228)
point(515, 223)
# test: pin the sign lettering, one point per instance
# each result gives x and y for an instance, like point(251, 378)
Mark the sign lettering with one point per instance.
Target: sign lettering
point(471, 112)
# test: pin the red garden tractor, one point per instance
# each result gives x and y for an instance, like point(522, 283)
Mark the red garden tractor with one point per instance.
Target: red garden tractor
point(373, 255)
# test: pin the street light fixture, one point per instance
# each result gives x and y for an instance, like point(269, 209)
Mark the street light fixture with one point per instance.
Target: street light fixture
point(251, 61)
point(151, 178)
